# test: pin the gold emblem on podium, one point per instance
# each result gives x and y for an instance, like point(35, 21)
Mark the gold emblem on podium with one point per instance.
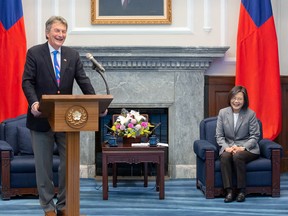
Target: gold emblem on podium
point(76, 116)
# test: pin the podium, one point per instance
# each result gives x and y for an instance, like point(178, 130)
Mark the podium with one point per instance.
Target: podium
point(72, 114)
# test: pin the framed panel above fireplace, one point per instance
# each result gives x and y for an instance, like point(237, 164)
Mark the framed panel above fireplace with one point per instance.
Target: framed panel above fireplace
point(131, 12)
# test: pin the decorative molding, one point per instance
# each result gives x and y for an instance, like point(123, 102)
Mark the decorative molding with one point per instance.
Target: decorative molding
point(147, 58)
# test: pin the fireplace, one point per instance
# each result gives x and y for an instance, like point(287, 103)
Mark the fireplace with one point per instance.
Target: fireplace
point(157, 116)
point(171, 78)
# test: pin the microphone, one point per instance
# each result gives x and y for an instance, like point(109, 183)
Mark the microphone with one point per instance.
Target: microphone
point(96, 64)
point(98, 67)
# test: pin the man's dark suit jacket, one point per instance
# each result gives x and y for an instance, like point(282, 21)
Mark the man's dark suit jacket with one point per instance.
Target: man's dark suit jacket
point(39, 78)
point(134, 8)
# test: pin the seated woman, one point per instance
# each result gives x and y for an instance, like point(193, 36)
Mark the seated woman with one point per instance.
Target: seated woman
point(237, 133)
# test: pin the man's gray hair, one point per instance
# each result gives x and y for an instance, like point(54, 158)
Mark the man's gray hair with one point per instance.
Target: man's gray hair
point(52, 20)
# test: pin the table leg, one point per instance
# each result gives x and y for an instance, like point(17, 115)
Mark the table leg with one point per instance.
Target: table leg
point(161, 180)
point(157, 176)
point(104, 177)
point(145, 174)
point(114, 170)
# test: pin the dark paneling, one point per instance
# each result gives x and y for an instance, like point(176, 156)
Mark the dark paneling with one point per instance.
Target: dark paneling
point(283, 136)
point(216, 93)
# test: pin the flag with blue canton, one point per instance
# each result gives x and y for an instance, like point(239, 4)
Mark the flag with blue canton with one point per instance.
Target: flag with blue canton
point(257, 63)
point(12, 59)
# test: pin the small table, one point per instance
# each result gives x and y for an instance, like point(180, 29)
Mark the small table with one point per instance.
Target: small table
point(133, 155)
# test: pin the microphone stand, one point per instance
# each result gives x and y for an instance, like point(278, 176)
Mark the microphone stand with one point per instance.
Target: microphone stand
point(101, 74)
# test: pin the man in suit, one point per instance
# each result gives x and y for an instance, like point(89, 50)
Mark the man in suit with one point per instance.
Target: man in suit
point(49, 73)
point(131, 7)
point(237, 133)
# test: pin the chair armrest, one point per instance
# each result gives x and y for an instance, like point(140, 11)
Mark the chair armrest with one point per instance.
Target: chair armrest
point(266, 147)
point(4, 146)
point(201, 146)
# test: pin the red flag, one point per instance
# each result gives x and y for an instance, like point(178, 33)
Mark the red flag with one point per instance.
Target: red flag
point(257, 63)
point(12, 59)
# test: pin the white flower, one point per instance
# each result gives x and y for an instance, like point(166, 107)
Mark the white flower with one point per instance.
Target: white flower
point(137, 115)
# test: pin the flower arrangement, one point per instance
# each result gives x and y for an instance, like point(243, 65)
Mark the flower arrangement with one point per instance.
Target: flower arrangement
point(131, 124)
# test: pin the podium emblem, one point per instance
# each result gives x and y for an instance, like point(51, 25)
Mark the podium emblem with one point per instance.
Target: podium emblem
point(76, 116)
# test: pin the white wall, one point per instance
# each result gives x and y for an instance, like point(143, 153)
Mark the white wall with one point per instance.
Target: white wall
point(195, 23)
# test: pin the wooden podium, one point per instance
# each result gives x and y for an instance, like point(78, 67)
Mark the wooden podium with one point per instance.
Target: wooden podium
point(72, 114)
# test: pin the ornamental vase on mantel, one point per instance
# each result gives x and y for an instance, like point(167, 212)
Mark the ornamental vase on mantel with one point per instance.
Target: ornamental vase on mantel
point(128, 140)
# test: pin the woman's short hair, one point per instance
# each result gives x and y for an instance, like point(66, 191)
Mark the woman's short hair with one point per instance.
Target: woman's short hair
point(52, 20)
point(235, 90)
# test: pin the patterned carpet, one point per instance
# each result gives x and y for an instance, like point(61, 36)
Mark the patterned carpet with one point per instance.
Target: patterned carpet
point(131, 198)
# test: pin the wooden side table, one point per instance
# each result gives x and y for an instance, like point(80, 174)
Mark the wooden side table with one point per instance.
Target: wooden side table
point(133, 155)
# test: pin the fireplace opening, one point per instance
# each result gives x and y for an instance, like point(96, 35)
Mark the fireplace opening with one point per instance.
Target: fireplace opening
point(156, 115)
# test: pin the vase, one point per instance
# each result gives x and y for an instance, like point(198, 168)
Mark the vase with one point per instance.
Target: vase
point(128, 140)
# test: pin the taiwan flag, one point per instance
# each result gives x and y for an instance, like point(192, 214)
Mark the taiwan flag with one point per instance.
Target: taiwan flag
point(12, 59)
point(257, 63)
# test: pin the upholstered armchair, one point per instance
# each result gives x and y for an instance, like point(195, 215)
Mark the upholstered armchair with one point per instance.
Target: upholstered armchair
point(17, 159)
point(263, 174)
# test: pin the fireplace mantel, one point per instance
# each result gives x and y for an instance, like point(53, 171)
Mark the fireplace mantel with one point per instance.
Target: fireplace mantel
point(158, 58)
point(148, 77)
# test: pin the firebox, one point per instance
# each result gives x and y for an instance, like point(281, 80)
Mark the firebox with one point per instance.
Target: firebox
point(156, 116)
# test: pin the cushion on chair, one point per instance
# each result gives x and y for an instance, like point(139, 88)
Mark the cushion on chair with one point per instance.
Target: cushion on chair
point(208, 129)
point(266, 147)
point(24, 141)
point(201, 146)
point(22, 164)
point(25, 144)
point(26, 164)
point(261, 164)
point(9, 131)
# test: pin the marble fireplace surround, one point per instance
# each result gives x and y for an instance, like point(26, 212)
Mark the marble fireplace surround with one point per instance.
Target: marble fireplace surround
point(154, 77)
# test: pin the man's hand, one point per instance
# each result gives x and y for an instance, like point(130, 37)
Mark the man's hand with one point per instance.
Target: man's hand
point(104, 113)
point(35, 109)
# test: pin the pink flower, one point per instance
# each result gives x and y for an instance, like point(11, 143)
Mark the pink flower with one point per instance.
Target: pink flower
point(122, 127)
point(118, 126)
point(130, 125)
point(137, 127)
point(144, 124)
point(134, 121)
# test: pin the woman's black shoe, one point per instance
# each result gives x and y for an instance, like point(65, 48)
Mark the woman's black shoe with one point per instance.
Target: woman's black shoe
point(229, 197)
point(240, 197)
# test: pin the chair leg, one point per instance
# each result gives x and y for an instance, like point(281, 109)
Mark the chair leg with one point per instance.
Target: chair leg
point(210, 169)
point(275, 173)
point(5, 175)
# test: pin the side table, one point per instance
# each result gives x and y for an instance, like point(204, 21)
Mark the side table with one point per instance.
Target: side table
point(133, 155)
